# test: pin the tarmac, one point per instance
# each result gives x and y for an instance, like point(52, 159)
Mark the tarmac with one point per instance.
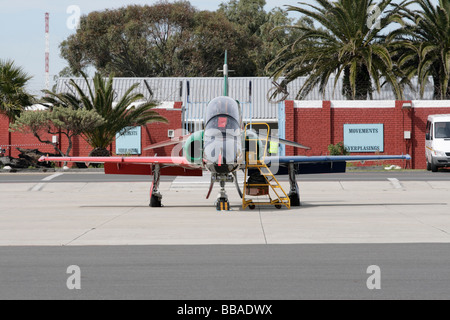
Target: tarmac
point(111, 213)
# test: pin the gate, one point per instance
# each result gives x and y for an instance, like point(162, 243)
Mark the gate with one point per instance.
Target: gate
point(282, 126)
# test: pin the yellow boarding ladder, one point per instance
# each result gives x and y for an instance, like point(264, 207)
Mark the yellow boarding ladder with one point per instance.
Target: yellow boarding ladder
point(255, 154)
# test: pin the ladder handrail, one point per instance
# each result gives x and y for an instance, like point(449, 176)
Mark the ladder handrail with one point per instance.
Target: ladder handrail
point(258, 139)
point(281, 197)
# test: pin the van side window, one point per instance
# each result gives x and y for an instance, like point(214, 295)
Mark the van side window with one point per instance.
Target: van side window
point(429, 132)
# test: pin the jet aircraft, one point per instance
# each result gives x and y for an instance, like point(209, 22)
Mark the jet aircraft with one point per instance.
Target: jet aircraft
point(222, 148)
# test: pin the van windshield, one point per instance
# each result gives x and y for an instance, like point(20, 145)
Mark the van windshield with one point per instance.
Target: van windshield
point(442, 130)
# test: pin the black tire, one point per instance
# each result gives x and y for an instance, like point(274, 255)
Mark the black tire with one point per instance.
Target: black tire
point(295, 199)
point(278, 206)
point(155, 202)
point(428, 166)
point(434, 168)
point(252, 207)
point(223, 205)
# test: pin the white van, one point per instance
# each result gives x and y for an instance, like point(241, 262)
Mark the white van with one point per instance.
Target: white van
point(437, 144)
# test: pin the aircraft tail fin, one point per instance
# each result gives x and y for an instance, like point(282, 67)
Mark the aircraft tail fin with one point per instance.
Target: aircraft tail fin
point(225, 71)
point(225, 75)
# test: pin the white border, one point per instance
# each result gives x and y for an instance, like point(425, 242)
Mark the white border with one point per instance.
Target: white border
point(308, 104)
point(384, 104)
point(431, 103)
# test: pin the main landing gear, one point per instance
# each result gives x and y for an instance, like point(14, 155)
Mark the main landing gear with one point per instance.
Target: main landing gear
point(294, 192)
point(155, 200)
point(155, 195)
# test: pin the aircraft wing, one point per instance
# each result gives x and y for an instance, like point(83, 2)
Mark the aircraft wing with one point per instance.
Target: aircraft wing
point(169, 142)
point(323, 164)
point(177, 166)
point(293, 144)
point(285, 142)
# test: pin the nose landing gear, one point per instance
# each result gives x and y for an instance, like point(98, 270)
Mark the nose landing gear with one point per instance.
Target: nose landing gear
point(222, 203)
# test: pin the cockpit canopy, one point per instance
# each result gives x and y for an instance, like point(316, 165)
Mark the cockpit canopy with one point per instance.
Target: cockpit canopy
point(222, 106)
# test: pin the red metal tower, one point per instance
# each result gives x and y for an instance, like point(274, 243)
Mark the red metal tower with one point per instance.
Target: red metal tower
point(47, 51)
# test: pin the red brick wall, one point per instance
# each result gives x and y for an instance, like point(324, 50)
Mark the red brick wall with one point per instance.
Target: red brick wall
point(312, 128)
point(158, 132)
point(316, 127)
point(152, 133)
point(21, 140)
point(3, 130)
point(319, 127)
point(291, 122)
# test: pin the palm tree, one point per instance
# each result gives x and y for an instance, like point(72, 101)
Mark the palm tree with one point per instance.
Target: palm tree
point(128, 111)
point(13, 96)
point(348, 42)
point(422, 45)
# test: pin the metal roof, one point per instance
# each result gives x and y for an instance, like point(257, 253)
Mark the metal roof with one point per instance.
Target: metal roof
point(251, 91)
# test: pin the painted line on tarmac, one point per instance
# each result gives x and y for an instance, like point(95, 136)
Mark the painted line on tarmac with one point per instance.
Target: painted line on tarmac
point(396, 183)
point(39, 186)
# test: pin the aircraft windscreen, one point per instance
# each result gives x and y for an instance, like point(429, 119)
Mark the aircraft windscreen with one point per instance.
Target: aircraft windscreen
point(223, 124)
point(222, 106)
point(442, 130)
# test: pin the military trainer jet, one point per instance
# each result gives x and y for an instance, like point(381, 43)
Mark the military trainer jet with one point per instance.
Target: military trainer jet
point(222, 148)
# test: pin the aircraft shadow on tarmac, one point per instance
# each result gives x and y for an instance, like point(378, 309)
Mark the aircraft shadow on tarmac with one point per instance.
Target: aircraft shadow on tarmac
point(304, 205)
point(146, 206)
point(309, 205)
point(334, 204)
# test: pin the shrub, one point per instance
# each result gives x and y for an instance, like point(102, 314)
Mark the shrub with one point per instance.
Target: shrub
point(338, 149)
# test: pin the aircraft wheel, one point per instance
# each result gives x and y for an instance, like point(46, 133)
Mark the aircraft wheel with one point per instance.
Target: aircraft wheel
point(223, 205)
point(295, 199)
point(155, 201)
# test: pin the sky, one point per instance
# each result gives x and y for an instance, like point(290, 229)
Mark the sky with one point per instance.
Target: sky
point(22, 30)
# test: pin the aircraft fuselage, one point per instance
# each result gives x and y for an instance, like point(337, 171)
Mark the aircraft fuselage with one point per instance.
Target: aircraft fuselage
point(223, 151)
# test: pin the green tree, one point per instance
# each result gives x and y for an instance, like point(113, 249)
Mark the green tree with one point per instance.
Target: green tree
point(162, 40)
point(211, 36)
point(13, 95)
point(175, 40)
point(130, 110)
point(248, 14)
point(133, 41)
point(257, 25)
point(279, 32)
point(347, 42)
point(422, 45)
point(65, 120)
